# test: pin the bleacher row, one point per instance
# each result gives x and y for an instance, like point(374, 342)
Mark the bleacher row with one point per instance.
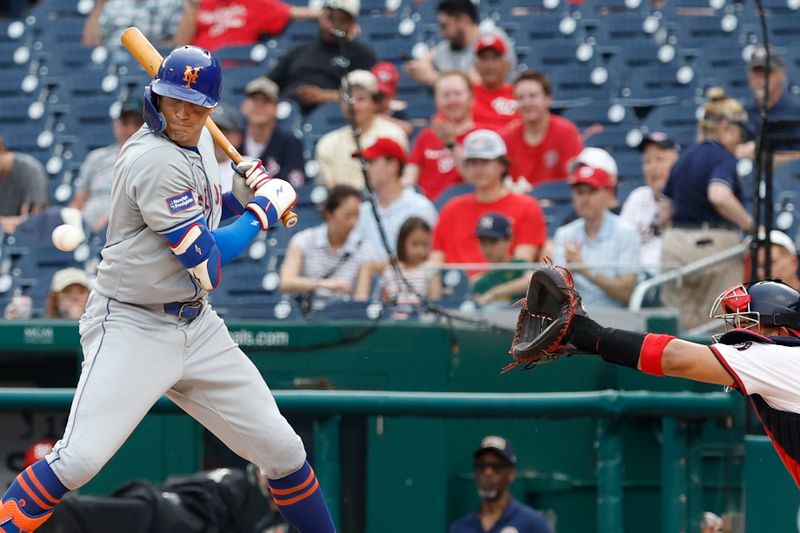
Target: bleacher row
point(628, 65)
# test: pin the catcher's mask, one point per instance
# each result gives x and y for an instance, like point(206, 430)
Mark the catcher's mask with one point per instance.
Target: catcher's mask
point(769, 303)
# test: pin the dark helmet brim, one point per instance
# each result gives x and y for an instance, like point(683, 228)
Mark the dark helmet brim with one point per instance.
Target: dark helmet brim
point(163, 88)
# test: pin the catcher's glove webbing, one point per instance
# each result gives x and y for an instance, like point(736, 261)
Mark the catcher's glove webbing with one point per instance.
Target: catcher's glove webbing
point(547, 312)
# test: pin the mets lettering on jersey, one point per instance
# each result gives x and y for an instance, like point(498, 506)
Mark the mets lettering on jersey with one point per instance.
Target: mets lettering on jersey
point(180, 202)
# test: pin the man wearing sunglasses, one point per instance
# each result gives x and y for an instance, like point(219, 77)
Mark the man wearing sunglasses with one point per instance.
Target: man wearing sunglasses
point(495, 470)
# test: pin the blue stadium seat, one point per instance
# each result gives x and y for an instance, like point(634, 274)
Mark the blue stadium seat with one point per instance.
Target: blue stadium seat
point(239, 56)
point(669, 117)
point(596, 113)
point(14, 111)
point(75, 55)
point(552, 192)
point(451, 192)
point(623, 29)
point(612, 139)
point(347, 310)
point(455, 288)
point(699, 31)
point(555, 215)
point(323, 119)
point(553, 53)
point(658, 86)
point(575, 84)
point(733, 79)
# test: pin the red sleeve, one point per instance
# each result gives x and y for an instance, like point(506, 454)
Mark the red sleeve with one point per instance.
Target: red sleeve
point(419, 148)
point(531, 227)
point(275, 16)
point(441, 230)
point(571, 145)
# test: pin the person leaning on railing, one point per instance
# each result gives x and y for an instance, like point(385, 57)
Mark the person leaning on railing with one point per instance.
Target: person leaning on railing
point(703, 199)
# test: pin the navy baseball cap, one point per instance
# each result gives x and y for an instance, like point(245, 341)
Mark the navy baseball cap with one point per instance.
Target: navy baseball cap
point(660, 139)
point(494, 225)
point(498, 445)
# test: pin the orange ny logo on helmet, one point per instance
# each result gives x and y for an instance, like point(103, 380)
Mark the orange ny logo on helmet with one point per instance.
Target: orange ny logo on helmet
point(190, 75)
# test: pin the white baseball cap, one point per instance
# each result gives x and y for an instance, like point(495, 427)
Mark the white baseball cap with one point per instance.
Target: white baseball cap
point(360, 78)
point(779, 238)
point(596, 158)
point(484, 144)
point(352, 7)
point(69, 276)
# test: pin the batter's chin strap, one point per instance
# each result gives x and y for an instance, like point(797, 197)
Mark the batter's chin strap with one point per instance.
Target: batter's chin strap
point(763, 124)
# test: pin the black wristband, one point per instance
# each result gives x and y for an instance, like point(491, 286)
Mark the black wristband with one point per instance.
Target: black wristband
point(613, 345)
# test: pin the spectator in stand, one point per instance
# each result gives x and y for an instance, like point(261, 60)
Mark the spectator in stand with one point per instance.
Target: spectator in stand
point(335, 149)
point(311, 73)
point(322, 262)
point(783, 259)
point(494, 105)
point(432, 166)
point(279, 150)
point(23, 187)
point(598, 236)
point(213, 24)
point(659, 153)
point(413, 252)
point(458, 22)
point(485, 166)
point(495, 471)
point(230, 122)
point(385, 159)
point(702, 198)
point(158, 20)
point(93, 186)
point(781, 104)
point(388, 105)
point(499, 288)
point(69, 292)
point(541, 144)
point(598, 158)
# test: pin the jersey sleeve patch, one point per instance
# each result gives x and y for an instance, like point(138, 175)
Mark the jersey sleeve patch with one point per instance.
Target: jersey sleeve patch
point(181, 201)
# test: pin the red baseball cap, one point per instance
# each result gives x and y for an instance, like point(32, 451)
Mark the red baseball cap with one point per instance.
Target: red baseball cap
point(384, 147)
point(388, 78)
point(490, 40)
point(38, 450)
point(596, 177)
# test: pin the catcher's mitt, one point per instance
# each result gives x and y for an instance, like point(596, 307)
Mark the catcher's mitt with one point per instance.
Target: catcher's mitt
point(546, 316)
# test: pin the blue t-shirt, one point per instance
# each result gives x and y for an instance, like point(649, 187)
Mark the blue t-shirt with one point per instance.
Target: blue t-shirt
point(690, 177)
point(786, 108)
point(517, 515)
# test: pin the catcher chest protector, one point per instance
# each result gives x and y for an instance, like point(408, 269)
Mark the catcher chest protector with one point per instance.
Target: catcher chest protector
point(188, 73)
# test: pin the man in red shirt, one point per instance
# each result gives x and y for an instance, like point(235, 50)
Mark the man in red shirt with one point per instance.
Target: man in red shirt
point(433, 162)
point(212, 24)
point(495, 105)
point(541, 144)
point(485, 165)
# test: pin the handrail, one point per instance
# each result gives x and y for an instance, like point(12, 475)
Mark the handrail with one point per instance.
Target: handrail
point(606, 403)
point(639, 292)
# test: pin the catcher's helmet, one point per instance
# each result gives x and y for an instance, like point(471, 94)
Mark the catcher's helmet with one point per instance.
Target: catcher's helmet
point(188, 73)
point(767, 303)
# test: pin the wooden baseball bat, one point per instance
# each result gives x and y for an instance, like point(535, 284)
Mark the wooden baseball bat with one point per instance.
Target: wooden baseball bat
point(149, 58)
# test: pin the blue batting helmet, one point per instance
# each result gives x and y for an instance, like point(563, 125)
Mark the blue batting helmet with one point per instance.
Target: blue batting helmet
point(188, 73)
point(767, 303)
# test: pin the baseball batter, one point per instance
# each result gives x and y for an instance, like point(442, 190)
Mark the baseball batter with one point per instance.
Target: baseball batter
point(148, 329)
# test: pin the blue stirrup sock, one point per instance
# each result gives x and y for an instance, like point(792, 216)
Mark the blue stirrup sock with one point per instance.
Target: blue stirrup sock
point(300, 500)
point(29, 501)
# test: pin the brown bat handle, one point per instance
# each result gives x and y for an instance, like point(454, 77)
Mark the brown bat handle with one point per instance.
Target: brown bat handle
point(149, 58)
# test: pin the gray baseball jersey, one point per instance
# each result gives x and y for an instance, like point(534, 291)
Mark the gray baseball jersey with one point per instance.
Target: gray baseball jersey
point(158, 187)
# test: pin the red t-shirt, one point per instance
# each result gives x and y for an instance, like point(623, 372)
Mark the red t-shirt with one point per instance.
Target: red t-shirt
point(455, 232)
point(548, 160)
point(235, 22)
point(437, 167)
point(494, 109)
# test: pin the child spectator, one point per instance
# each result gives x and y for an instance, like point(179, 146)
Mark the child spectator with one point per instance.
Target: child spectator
point(413, 251)
point(388, 104)
point(498, 287)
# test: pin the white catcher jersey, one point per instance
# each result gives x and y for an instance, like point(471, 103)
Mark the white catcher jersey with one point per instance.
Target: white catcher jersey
point(158, 187)
point(769, 370)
